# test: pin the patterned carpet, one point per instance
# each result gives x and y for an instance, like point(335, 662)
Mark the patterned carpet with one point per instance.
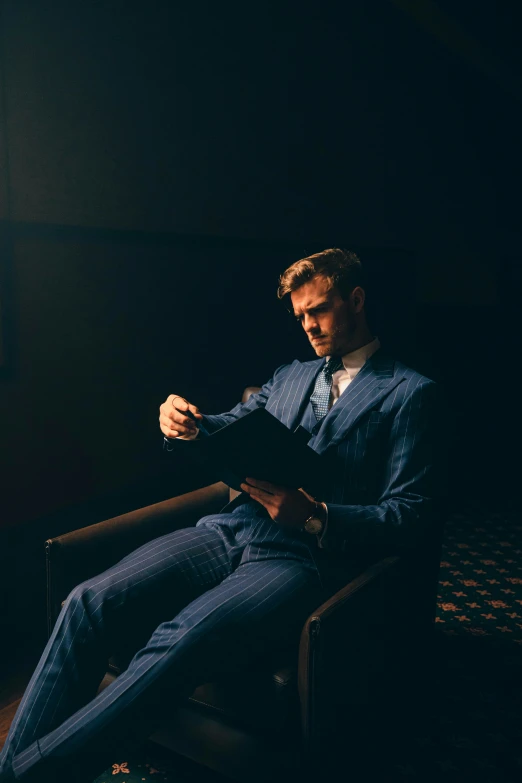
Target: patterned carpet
point(467, 726)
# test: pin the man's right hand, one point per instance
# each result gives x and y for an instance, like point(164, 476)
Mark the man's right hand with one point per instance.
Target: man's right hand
point(174, 422)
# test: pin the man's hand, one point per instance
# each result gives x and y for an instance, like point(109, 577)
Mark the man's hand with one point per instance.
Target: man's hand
point(289, 507)
point(174, 423)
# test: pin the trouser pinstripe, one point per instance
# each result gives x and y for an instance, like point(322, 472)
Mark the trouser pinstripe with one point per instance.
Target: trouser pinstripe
point(195, 603)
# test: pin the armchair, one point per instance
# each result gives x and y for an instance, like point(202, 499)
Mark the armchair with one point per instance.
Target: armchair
point(356, 654)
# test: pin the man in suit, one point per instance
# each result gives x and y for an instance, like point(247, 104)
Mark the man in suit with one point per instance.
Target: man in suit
point(239, 585)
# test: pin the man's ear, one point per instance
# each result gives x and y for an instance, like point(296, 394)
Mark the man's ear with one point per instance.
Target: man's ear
point(358, 297)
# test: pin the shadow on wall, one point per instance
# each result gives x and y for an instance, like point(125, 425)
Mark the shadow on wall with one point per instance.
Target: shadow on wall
point(108, 324)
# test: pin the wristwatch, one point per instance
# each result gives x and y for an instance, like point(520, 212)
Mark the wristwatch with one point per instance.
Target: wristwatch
point(315, 522)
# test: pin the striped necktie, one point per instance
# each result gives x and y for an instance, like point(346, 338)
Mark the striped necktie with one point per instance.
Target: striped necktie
point(320, 397)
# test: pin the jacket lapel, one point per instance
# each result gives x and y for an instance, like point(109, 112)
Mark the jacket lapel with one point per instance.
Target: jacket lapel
point(288, 407)
point(375, 380)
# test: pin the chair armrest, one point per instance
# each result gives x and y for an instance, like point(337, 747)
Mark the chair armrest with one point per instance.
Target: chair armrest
point(73, 557)
point(337, 651)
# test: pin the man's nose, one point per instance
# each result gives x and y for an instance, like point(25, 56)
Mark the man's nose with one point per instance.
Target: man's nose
point(310, 323)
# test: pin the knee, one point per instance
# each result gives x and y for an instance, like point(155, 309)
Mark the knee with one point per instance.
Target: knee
point(87, 594)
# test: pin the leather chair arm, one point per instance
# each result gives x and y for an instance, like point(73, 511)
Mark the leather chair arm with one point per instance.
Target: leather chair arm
point(73, 557)
point(340, 647)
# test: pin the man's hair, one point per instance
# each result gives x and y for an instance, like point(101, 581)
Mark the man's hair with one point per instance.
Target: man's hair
point(341, 268)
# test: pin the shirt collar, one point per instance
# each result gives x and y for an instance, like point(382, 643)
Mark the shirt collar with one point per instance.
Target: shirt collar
point(356, 359)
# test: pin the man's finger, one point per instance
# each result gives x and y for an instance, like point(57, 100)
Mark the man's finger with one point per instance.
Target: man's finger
point(254, 491)
point(266, 486)
point(169, 430)
point(180, 427)
point(181, 405)
point(195, 410)
point(185, 421)
point(179, 402)
point(170, 424)
point(261, 497)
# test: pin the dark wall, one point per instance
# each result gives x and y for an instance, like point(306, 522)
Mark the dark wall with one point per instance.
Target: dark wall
point(285, 120)
point(346, 124)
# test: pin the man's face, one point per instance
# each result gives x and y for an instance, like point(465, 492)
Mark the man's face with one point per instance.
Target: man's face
point(329, 321)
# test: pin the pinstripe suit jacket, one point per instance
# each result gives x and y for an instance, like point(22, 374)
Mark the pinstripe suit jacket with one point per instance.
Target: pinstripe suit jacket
point(380, 441)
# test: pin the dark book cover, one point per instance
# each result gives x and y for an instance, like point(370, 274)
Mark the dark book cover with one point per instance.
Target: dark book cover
point(259, 446)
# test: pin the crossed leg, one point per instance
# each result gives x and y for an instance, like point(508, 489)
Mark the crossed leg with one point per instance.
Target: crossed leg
point(149, 585)
point(230, 617)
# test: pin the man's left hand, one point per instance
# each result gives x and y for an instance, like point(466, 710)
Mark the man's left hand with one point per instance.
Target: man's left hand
point(289, 507)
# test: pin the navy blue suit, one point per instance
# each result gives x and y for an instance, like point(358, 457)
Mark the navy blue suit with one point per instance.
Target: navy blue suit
point(238, 586)
point(381, 440)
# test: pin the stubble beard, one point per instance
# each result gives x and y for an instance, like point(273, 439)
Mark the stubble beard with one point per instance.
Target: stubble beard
point(324, 348)
point(337, 341)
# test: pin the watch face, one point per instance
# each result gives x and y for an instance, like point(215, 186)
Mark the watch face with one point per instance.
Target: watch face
point(313, 525)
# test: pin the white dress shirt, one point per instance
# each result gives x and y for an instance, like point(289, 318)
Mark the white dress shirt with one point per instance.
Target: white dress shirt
point(352, 363)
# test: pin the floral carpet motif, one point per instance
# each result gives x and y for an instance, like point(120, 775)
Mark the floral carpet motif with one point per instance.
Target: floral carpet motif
point(156, 765)
point(467, 724)
point(481, 579)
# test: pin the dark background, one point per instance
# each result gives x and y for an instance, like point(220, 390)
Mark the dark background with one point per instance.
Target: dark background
point(161, 163)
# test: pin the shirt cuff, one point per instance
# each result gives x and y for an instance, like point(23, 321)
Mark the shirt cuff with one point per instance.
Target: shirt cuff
point(190, 437)
point(167, 442)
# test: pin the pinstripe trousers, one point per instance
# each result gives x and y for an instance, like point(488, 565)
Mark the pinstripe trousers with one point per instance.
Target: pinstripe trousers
point(191, 604)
